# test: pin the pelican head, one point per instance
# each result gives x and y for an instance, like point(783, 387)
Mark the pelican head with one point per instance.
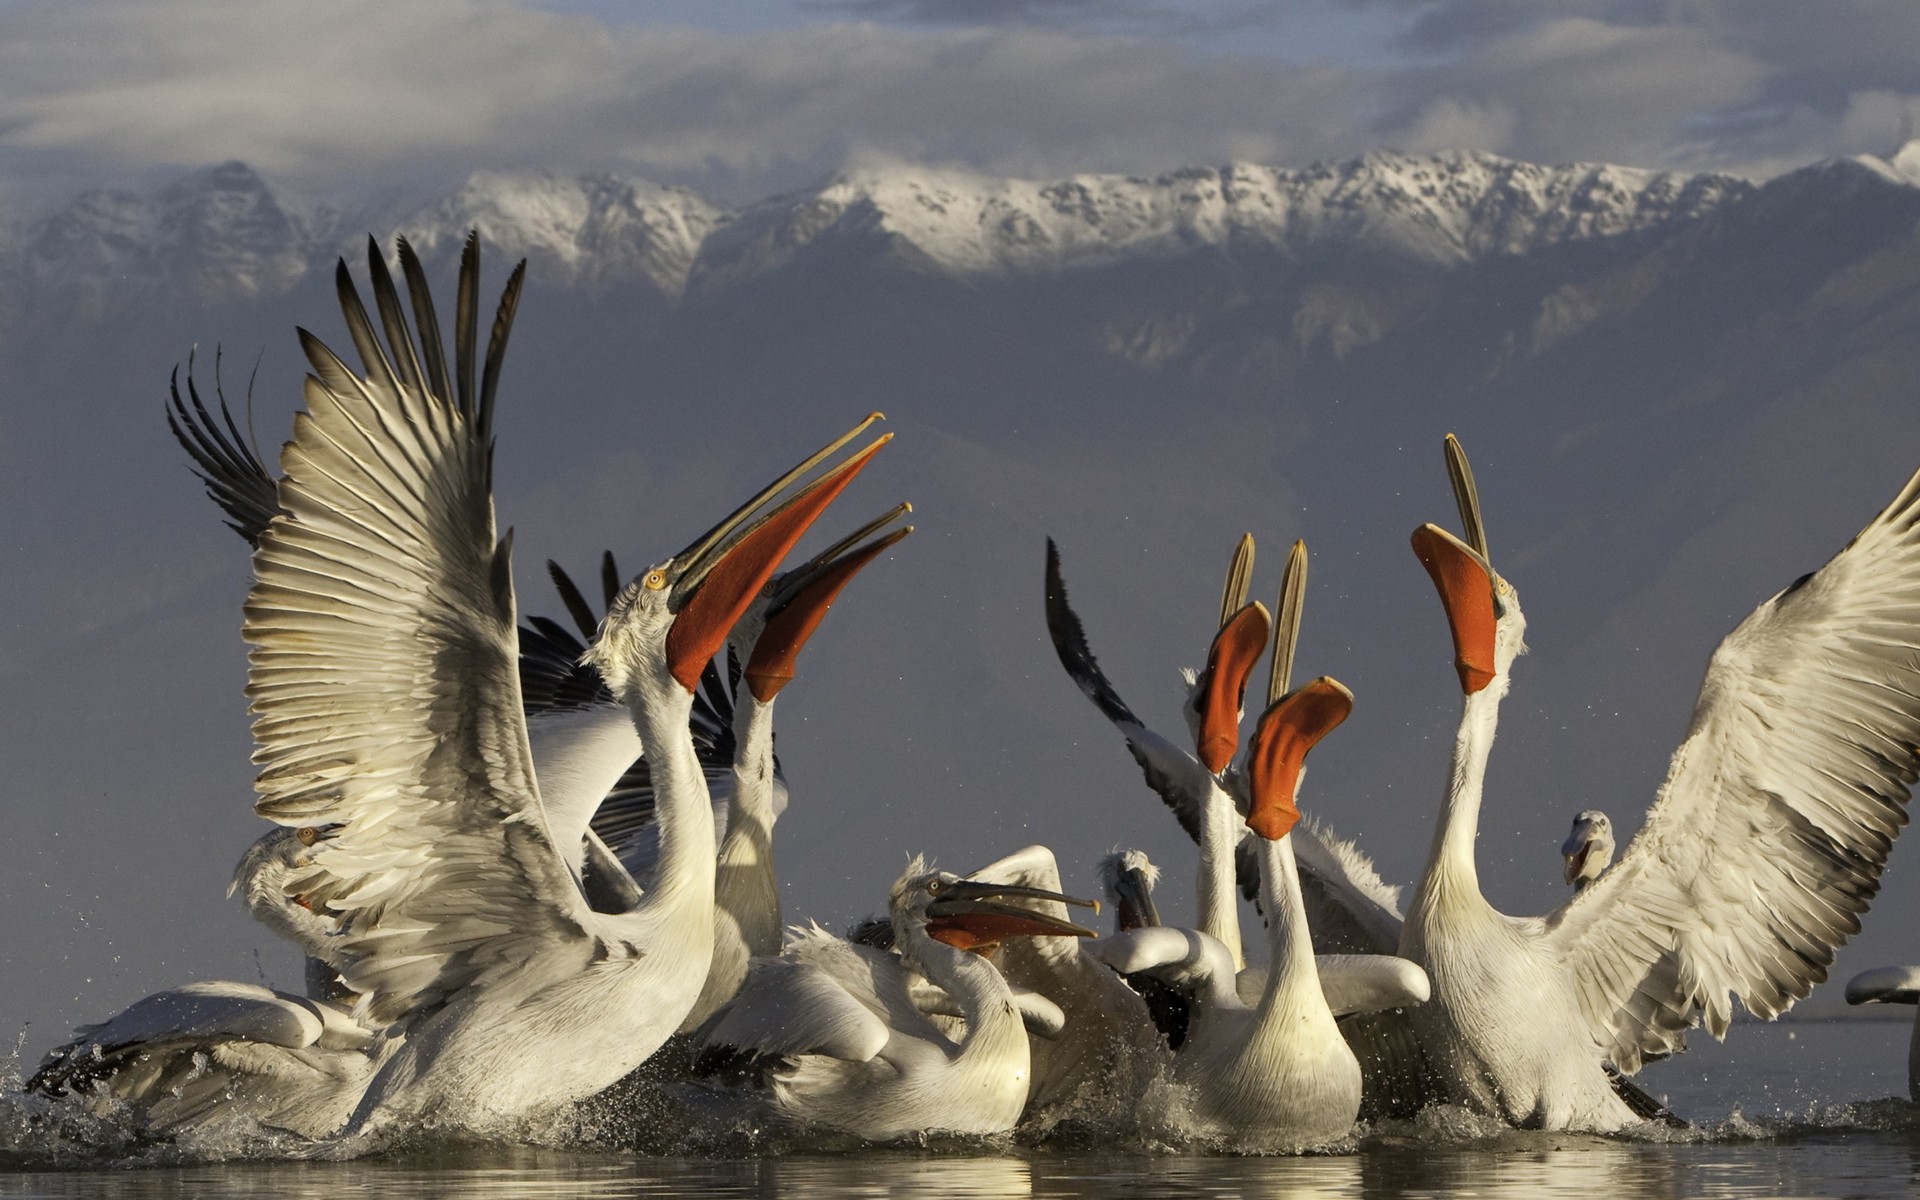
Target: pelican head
point(1128, 879)
point(969, 915)
point(1290, 727)
point(1588, 849)
point(1483, 610)
point(1885, 985)
point(677, 613)
point(268, 885)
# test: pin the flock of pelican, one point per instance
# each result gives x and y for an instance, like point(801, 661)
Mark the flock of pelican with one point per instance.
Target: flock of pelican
point(524, 860)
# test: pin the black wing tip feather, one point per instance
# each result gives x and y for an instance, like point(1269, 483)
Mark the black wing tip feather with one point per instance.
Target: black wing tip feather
point(576, 604)
point(232, 474)
point(1070, 643)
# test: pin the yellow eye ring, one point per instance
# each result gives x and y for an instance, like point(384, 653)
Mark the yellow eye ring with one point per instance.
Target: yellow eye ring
point(656, 580)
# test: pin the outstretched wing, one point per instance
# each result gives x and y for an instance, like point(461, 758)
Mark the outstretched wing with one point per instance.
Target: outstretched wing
point(234, 476)
point(1175, 775)
point(383, 676)
point(1780, 807)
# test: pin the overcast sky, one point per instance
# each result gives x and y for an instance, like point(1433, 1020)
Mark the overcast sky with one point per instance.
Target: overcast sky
point(744, 97)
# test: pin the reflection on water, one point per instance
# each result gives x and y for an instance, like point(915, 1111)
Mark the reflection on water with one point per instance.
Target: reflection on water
point(1799, 1128)
point(1514, 1166)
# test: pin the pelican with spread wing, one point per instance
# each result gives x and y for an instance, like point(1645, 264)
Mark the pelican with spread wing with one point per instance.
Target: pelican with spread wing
point(387, 708)
point(1762, 850)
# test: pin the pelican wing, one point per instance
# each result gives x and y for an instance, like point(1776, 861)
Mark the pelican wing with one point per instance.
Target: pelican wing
point(1780, 807)
point(823, 995)
point(383, 676)
point(1349, 908)
point(1174, 775)
point(233, 474)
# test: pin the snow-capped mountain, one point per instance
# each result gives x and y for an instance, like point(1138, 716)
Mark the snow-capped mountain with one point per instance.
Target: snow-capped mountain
point(1440, 209)
point(223, 232)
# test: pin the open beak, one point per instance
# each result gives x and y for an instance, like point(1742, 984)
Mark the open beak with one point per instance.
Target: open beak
point(1465, 583)
point(1576, 850)
point(1230, 660)
point(967, 916)
point(1287, 730)
point(803, 595)
point(1135, 895)
point(719, 575)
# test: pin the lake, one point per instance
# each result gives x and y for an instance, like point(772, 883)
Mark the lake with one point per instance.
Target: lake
point(1803, 1108)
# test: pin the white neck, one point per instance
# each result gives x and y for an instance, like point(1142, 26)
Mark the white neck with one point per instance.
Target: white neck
point(974, 983)
point(1293, 978)
point(683, 807)
point(1219, 893)
point(1451, 876)
point(746, 882)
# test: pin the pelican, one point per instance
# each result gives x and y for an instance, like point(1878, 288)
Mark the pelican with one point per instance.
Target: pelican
point(850, 1049)
point(1194, 785)
point(1893, 985)
point(1588, 849)
point(387, 709)
point(1277, 1070)
point(1763, 848)
point(767, 640)
point(1107, 1051)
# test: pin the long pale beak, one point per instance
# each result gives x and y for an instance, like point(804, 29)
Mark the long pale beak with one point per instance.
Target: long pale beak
point(801, 600)
point(1465, 583)
point(1287, 731)
point(1136, 909)
point(966, 917)
point(715, 590)
point(712, 538)
point(1230, 660)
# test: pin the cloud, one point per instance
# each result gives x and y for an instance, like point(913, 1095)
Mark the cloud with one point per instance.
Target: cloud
point(356, 93)
point(355, 90)
point(1754, 86)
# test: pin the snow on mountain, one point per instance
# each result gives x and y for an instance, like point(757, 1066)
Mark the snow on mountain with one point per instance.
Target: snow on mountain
point(592, 231)
point(219, 231)
point(1440, 209)
point(223, 232)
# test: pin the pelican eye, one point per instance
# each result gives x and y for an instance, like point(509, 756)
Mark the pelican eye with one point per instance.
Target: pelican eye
point(655, 580)
point(936, 886)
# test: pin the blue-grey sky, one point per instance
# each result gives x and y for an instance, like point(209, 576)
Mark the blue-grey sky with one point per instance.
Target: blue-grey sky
point(743, 98)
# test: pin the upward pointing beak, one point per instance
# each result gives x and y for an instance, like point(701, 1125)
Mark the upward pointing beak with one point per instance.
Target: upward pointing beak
point(1230, 660)
point(1465, 583)
point(722, 590)
point(1287, 730)
point(778, 648)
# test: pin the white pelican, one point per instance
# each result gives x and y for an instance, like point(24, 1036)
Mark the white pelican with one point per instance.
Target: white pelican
point(1588, 849)
point(1765, 845)
point(1277, 1070)
point(1096, 1065)
point(220, 1054)
point(1276, 1073)
point(749, 792)
point(852, 1050)
point(387, 706)
point(1195, 786)
point(1893, 985)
